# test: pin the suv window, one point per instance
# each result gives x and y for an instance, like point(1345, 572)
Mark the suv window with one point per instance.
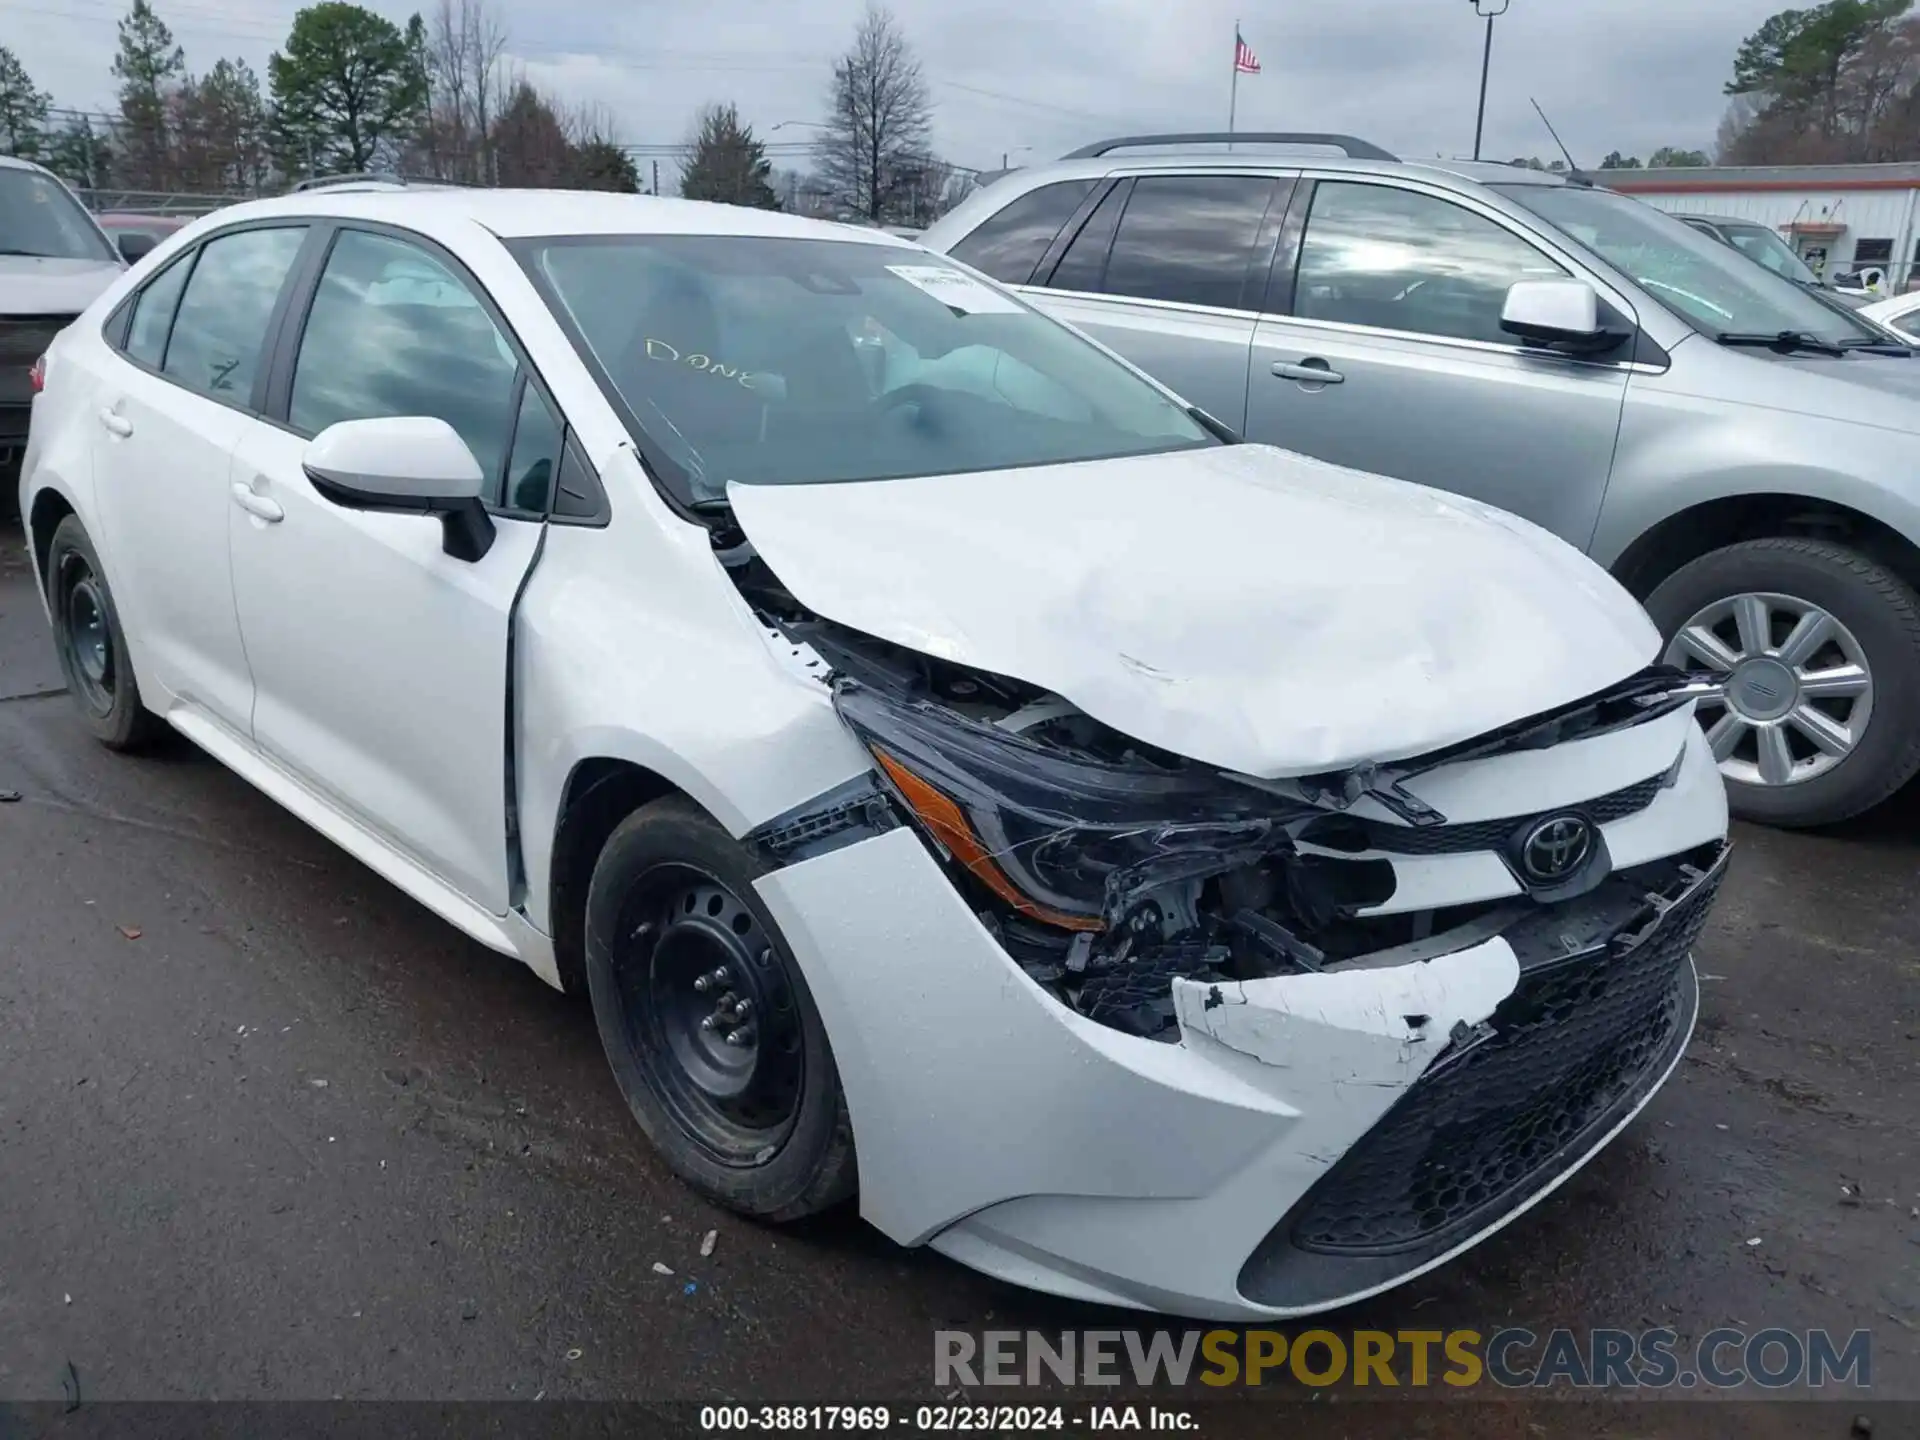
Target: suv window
point(1189, 238)
point(393, 331)
point(222, 323)
point(153, 313)
point(1008, 246)
point(1394, 259)
point(1084, 266)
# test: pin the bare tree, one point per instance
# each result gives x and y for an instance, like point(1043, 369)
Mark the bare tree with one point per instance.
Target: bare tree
point(872, 155)
point(468, 89)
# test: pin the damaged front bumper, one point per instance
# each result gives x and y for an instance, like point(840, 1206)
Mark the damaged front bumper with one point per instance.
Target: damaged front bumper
point(1310, 1139)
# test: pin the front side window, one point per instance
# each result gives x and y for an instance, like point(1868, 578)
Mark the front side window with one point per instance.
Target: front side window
point(1705, 283)
point(775, 361)
point(1907, 324)
point(1393, 259)
point(221, 327)
point(1084, 266)
point(40, 217)
point(153, 313)
point(1190, 239)
point(394, 332)
point(1009, 245)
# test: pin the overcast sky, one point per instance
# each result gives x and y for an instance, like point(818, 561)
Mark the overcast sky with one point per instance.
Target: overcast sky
point(1009, 74)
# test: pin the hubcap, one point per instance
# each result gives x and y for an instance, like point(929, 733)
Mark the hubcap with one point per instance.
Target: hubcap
point(1792, 693)
point(711, 1013)
point(89, 645)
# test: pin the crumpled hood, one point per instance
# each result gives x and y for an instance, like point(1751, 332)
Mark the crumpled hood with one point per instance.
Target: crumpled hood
point(1240, 605)
point(43, 285)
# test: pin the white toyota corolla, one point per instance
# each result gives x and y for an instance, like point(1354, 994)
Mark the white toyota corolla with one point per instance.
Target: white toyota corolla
point(1144, 866)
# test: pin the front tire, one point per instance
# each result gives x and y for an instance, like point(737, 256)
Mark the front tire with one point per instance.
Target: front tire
point(92, 644)
point(1820, 718)
point(707, 1021)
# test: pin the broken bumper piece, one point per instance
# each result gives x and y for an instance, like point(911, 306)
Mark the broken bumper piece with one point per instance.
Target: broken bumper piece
point(1310, 1140)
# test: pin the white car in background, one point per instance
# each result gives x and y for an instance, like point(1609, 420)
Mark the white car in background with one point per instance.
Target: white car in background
point(957, 770)
point(1898, 312)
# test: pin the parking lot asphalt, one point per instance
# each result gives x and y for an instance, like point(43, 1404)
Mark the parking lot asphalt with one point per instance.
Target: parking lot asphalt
point(270, 1130)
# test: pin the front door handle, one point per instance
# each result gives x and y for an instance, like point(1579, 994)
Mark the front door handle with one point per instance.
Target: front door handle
point(258, 506)
point(1311, 372)
point(118, 424)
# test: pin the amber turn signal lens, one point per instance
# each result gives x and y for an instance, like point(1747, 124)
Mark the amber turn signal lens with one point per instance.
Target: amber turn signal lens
point(950, 827)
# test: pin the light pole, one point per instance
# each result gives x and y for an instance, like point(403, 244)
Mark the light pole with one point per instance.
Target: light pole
point(1492, 10)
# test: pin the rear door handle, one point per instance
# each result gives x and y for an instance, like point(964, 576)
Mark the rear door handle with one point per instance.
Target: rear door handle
point(118, 424)
point(258, 506)
point(1313, 372)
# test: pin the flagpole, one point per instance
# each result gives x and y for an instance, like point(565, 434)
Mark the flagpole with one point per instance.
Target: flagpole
point(1233, 95)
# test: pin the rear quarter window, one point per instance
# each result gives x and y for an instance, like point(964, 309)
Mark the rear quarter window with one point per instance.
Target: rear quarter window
point(1011, 244)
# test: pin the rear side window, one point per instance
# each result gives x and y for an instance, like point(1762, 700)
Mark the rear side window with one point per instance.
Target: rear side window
point(1009, 245)
point(1191, 239)
point(153, 313)
point(222, 325)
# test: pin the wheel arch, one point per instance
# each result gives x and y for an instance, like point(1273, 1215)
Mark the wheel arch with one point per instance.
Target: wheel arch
point(1687, 534)
point(49, 507)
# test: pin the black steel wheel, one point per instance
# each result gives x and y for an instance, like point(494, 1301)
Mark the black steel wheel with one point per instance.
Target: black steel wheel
point(708, 1022)
point(91, 644)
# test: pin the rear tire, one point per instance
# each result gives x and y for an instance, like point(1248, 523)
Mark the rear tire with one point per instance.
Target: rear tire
point(92, 645)
point(731, 1078)
point(1877, 631)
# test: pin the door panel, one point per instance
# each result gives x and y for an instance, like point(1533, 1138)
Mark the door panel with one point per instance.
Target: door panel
point(162, 494)
point(1532, 435)
point(380, 663)
point(1199, 355)
point(1396, 301)
point(164, 453)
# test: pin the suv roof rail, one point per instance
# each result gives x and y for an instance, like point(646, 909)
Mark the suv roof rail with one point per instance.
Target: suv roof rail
point(1347, 144)
point(326, 182)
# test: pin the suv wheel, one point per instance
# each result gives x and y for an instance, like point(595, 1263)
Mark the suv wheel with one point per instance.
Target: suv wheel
point(709, 1025)
point(1816, 653)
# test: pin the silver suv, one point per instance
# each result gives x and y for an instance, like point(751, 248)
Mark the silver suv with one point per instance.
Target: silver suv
point(1744, 456)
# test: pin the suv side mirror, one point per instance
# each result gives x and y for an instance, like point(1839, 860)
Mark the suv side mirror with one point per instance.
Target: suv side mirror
point(135, 246)
point(408, 465)
point(1563, 313)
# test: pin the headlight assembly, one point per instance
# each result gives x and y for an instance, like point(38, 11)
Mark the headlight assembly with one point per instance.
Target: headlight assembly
point(1063, 839)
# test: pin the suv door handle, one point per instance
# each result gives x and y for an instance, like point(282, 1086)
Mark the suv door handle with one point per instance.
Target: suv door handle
point(118, 424)
point(1312, 372)
point(258, 506)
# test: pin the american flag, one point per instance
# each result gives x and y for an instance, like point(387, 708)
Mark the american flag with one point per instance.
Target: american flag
point(1245, 62)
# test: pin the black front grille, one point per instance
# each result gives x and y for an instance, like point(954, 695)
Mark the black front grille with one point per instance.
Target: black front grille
point(1496, 1118)
point(1351, 834)
point(1567, 1045)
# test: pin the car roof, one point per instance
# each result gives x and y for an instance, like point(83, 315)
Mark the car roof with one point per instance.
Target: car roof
point(15, 162)
point(511, 214)
point(1720, 219)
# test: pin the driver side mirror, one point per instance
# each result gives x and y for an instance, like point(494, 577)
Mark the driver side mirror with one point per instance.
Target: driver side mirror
point(134, 246)
point(407, 465)
point(1561, 313)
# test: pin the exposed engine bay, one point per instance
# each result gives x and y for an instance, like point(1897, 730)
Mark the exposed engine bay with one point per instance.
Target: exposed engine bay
point(1106, 867)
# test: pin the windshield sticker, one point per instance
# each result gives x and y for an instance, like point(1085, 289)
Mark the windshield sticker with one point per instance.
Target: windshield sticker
point(960, 293)
point(662, 351)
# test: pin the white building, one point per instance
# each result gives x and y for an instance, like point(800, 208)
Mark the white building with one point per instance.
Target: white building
point(1839, 218)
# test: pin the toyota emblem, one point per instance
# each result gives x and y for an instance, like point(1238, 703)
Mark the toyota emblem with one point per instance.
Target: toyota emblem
point(1555, 849)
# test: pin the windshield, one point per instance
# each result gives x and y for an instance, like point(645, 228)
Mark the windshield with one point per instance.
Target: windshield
point(1706, 283)
point(1756, 242)
point(775, 361)
point(39, 217)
